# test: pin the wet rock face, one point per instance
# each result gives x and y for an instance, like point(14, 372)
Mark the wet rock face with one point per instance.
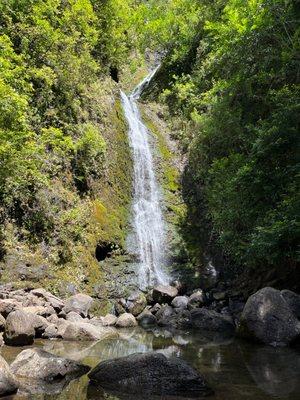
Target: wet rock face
point(156, 375)
point(8, 383)
point(267, 318)
point(39, 364)
point(211, 321)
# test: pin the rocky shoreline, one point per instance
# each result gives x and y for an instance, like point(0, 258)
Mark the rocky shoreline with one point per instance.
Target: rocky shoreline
point(269, 316)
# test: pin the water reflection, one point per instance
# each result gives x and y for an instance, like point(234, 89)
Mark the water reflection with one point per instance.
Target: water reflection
point(275, 371)
point(235, 370)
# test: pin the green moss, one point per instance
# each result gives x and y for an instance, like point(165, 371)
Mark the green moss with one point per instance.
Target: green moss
point(168, 172)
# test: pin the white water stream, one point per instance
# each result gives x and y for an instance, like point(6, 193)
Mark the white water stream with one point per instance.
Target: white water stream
point(148, 238)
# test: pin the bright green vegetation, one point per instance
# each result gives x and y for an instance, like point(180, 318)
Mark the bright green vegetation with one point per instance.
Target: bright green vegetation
point(231, 81)
point(65, 175)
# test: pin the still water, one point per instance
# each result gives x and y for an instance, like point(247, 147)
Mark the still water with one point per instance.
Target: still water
point(235, 370)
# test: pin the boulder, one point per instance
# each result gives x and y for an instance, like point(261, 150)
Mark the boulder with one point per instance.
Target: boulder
point(149, 297)
point(50, 332)
point(157, 375)
point(2, 323)
point(136, 303)
point(180, 302)
point(85, 331)
point(219, 296)
point(8, 383)
point(164, 315)
point(97, 321)
point(146, 319)
point(40, 310)
point(109, 320)
point(211, 321)
point(126, 320)
point(74, 317)
point(8, 305)
point(293, 300)
point(38, 364)
point(196, 300)
point(79, 303)
point(155, 308)
point(267, 318)
point(120, 306)
point(19, 329)
point(53, 301)
point(164, 294)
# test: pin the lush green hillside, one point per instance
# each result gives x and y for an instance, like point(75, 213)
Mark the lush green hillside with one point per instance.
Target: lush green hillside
point(65, 176)
point(231, 81)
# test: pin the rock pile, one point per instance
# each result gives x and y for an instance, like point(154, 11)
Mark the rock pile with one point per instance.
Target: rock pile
point(270, 316)
point(29, 314)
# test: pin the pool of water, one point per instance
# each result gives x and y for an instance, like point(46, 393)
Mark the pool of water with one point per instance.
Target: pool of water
point(235, 370)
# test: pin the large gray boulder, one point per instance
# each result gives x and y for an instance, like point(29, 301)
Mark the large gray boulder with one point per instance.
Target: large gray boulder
point(79, 303)
point(164, 294)
point(8, 383)
point(211, 321)
point(293, 300)
point(39, 364)
point(136, 303)
point(149, 374)
point(267, 318)
point(19, 329)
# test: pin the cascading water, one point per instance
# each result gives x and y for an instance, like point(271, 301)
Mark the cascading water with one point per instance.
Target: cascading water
point(148, 237)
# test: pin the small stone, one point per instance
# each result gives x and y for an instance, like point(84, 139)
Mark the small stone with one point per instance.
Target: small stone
point(218, 296)
point(126, 320)
point(180, 302)
point(196, 300)
point(109, 320)
point(136, 303)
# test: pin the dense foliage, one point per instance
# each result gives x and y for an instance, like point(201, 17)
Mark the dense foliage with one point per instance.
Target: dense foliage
point(55, 122)
point(232, 84)
point(230, 78)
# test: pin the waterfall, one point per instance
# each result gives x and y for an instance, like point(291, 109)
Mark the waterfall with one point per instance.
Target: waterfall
point(148, 237)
